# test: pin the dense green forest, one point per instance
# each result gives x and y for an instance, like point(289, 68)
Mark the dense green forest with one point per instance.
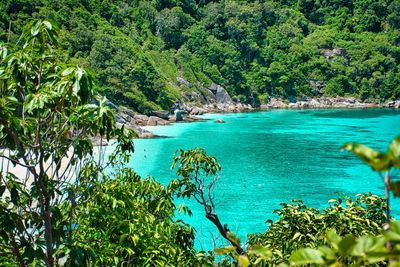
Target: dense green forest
point(255, 49)
point(65, 206)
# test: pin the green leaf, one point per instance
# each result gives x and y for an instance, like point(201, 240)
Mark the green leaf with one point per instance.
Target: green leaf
point(2, 189)
point(260, 251)
point(367, 244)
point(376, 160)
point(306, 256)
point(394, 147)
point(334, 239)
point(67, 71)
point(14, 196)
point(48, 24)
point(75, 88)
point(244, 261)
point(234, 238)
point(225, 250)
point(346, 245)
point(395, 187)
point(36, 28)
point(122, 237)
point(394, 232)
point(296, 235)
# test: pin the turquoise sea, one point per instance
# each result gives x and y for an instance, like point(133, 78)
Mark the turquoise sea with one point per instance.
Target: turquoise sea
point(271, 157)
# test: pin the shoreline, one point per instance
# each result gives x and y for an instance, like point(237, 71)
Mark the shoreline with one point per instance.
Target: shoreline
point(185, 113)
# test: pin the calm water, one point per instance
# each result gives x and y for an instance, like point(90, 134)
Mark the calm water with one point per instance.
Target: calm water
point(272, 157)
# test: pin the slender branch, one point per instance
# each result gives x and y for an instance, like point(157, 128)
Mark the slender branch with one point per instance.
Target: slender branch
point(17, 162)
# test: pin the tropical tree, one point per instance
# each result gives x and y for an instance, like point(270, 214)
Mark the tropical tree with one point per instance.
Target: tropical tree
point(46, 119)
point(197, 176)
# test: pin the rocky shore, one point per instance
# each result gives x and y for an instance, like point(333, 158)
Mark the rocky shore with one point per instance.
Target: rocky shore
point(185, 113)
point(216, 99)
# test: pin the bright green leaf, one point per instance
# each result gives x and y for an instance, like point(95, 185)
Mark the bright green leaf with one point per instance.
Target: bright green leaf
point(306, 256)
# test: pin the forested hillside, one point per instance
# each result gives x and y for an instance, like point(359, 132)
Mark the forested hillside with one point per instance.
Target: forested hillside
point(254, 49)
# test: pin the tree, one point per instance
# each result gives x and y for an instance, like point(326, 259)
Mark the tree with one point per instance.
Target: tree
point(197, 175)
point(46, 120)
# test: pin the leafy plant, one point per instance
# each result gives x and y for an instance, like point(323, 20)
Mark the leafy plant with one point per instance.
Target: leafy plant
point(46, 120)
point(129, 221)
point(352, 251)
point(381, 162)
point(300, 226)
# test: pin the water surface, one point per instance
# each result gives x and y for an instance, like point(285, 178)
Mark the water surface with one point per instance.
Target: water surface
point(272, 157)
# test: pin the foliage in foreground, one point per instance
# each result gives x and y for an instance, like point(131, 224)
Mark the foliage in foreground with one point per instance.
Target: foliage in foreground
point(46, 120)
point(352, 251)
point(300, 226)
point(130, 222)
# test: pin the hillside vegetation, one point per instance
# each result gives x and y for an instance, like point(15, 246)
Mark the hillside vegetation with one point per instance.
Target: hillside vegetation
point(254, 49)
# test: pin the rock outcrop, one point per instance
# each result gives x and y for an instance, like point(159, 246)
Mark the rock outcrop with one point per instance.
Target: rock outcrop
point(161, 114)
point(330, 55)
point(322, 102)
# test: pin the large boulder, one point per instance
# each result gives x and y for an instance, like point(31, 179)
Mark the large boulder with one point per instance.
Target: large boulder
point(120, 119)
point(218, 94)
point(161, 114)
point(154, 121)
point(141, 119)
point(222, 96)
point(178, 115)
point(197, 111)
point(127, 111)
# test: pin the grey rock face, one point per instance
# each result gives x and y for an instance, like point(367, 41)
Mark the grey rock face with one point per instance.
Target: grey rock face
point(181, 81)
point(330, 55)
point(197, 111)
point(161, 114)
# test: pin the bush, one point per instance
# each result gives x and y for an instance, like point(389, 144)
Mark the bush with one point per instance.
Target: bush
point(300, 226)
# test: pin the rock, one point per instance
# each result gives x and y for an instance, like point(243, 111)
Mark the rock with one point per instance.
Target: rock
point(197, 111)
point(314, 103)
point(222, 96)
point(120, 119)
point(161, 114)
point(182, 81)
point(200, 98)
point(220, 121)
point(389, 104)
point(218, 94)
point(177, 115)
point(128, 112)
point(154, 121)
point(330, 55)
point(210, 95)
point(317, 87)
point(276, 103)
point(125, 116)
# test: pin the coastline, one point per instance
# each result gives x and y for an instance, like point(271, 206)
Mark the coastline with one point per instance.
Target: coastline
point(183, 112)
